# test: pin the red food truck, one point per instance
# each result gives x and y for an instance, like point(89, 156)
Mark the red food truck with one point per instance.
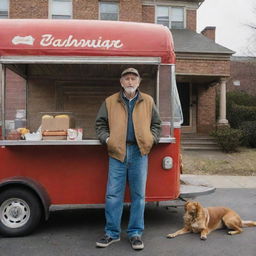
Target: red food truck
point(61, 71)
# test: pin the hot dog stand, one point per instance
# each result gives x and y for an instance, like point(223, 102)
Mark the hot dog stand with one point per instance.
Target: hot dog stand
point(54, 68)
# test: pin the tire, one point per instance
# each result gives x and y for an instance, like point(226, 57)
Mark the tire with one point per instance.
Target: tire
point(20, 212)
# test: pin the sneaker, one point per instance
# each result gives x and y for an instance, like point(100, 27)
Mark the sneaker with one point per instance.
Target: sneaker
point(106, 241)
point(136, 243)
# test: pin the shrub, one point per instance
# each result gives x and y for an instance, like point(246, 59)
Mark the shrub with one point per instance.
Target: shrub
point(240, 98)
point(249, 133)
point(240, 107)
point(229, 139)
point(238, 114)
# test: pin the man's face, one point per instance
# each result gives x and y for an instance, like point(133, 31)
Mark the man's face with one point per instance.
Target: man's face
point(130, 83)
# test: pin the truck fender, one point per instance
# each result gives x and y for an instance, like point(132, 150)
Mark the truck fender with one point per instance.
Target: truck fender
point(32, 185)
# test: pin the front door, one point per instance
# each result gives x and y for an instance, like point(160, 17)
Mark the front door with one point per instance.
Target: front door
point(185, 93)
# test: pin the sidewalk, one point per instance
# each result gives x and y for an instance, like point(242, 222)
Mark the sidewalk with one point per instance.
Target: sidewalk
point(223, 181)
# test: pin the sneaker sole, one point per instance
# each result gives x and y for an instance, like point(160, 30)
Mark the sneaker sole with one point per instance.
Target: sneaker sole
point(138, 247)
point(100, 245)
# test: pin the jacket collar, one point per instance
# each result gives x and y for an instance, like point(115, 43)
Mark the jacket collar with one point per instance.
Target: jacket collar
point(120, 97)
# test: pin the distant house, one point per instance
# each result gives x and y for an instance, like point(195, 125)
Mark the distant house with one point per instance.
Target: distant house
point(201, 63)
point(242, 75)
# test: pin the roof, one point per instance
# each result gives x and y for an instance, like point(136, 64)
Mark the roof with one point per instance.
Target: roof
point(39, 37)
point(247, 59)
point(188, 41)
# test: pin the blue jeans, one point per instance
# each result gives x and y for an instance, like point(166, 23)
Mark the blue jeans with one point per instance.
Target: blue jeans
point(134, 169)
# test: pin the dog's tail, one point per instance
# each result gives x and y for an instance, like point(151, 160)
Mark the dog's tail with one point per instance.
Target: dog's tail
point(248, 223)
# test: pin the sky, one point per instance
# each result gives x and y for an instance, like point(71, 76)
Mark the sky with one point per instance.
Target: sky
point(230, 17)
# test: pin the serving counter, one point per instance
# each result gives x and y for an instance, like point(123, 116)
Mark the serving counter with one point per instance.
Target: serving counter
point(64, 142)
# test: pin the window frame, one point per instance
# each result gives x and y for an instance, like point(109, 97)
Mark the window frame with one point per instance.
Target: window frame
point(169, 15)
point(50, 13)
point(109, 2)
point(8, 11)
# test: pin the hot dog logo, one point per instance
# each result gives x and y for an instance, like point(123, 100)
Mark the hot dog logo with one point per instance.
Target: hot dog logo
point(28, 40)
point(48, 40)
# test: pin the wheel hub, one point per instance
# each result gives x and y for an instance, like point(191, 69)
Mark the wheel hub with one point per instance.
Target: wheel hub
point(14, 213)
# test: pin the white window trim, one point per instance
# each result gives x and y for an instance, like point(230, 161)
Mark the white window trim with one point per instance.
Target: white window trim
point(50, 9)
point(8, 10)
point(191, 6)
point(174, 6)
point(111, 2)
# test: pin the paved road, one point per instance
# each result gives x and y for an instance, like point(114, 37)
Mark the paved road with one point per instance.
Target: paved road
point(74, 232)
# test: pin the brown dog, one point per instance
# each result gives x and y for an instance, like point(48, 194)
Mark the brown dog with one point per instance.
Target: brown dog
point(204, 220)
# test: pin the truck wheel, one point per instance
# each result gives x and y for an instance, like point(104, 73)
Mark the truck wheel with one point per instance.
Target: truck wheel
point(20, 212)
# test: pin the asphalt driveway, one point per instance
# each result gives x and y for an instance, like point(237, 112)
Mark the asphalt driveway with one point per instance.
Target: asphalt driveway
point(74, 232)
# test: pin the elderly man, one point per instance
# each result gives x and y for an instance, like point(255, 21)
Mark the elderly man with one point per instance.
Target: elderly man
point(129, 123)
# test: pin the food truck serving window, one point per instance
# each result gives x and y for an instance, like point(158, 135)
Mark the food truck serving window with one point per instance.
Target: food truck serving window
point(56, 102)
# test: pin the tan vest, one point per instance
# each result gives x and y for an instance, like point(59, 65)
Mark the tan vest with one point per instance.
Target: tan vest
point(118, 118)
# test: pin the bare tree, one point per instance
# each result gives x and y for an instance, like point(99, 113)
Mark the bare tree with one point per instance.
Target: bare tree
point(251, 44)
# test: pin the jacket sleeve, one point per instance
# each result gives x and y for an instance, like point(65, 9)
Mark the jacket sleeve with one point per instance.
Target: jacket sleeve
point(155, 124)
point(101, 124)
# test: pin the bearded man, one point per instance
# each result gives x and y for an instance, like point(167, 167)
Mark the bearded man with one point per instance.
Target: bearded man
point(129, 123)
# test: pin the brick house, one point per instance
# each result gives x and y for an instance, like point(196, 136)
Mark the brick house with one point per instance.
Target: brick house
point(202, 64)
point(242, 75)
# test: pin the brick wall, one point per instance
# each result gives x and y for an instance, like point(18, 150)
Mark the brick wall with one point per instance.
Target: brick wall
point(148, 14)
point(243, 70)
point(15, 94)
point(48, 95)
point(206, 117)
point(39, 89)
point(191, 20)
point(203, 67)
point(88, 9)
point(130, 10)
point(29, 9)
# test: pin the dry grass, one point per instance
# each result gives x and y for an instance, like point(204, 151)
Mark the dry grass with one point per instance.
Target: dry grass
point(217, 163)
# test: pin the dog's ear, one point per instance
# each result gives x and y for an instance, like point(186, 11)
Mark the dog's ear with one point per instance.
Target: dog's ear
point(186, 206)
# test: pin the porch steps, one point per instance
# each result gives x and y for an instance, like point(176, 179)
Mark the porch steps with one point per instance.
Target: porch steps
point(198, 142)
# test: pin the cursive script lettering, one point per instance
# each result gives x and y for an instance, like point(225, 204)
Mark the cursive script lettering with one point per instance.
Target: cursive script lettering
point(49, 40)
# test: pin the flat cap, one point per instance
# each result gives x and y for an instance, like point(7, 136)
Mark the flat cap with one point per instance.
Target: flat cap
point(130, 71)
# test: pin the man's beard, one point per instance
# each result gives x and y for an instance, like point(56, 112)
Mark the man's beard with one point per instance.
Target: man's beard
point(130, 90)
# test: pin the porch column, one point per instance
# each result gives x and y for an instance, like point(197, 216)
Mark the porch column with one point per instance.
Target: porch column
point(222, 115)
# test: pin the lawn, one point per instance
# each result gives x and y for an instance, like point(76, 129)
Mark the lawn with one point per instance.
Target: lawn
point(218, 163)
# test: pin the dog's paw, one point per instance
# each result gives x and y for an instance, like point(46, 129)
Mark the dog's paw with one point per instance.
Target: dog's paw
point(203, 238)
point(233, 232)
point(170, 236)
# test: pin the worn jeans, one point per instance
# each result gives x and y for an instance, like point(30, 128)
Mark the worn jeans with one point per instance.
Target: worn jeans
point(134, 170)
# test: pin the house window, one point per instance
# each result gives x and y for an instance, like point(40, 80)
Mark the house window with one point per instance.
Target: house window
point(172, 17)
point(109, 11)
point(61, 9)
point(4, 7)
